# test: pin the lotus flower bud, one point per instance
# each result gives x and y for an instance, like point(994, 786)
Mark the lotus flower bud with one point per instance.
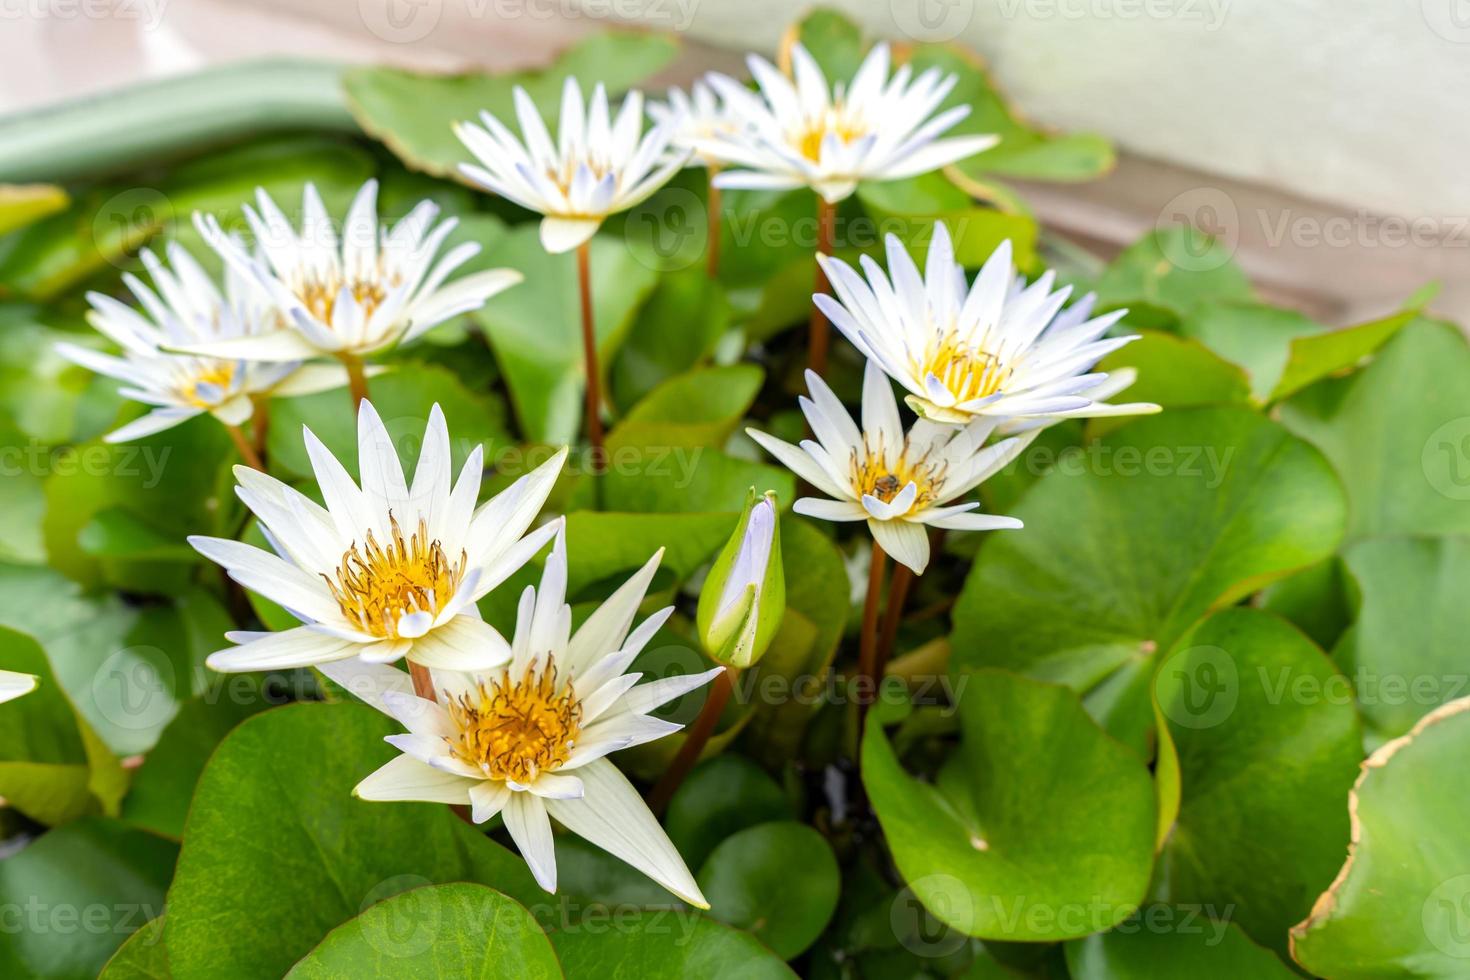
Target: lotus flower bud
point(744, 597)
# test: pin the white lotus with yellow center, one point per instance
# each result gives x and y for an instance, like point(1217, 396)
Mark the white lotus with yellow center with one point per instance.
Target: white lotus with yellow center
point(388, 569)
point(185, 307)
point(899, 482)
point(801, 132)
point(371, 289)
point(598, 166)
point(529, 740)
point(1000, 348)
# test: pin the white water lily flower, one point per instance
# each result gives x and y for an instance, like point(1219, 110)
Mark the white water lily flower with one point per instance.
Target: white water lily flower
point(530, 740)
point(802, 133)
point(898, 482)
point(696, 116)
point(999, 348)
point(13, 685)
point(388, 570)
point(184, 307)
point(598, 166)
point(374, 289)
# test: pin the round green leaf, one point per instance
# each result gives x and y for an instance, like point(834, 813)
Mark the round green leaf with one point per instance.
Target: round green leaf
point(722, 795)
point(1267, 742)
point(1168, 517)
point(668, 944)
point(1406, 653)
point(1173, 269)
point(1398, 433)
point(73, 895)
point(1398, 907)
point(1255, 336)
point(1040, 828)
point(1173, 941)
point(277, 852)
point(454, 930)
point(778, 880)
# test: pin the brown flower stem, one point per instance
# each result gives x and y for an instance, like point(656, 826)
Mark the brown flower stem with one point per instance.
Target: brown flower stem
point(356, 378)
point(260, 426)
point(712, 249)
point(898, 594)
point(720, 690)
point(423, 683)
point(242, 445)
point(868, 638)
point(820, 329)
point(589, 356)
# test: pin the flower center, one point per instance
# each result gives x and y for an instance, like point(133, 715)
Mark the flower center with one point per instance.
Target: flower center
point(516, 729)
point(377, 584)
point(808, 141)
point(319, 296)
point(872, 475)
point(207, 386)
point(563, 178)
point(966, 371)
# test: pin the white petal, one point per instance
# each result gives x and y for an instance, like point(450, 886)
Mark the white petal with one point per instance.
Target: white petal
point(13, 685)
point(370, 683)
point(907, 543)
point(551, 786)
point(487, 798)
point(526, 822)
point(464, 643)
point(564, 234)
point(406, 778)
point(299, 647)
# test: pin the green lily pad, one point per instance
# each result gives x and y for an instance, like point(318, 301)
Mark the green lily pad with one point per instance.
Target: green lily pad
point(412, 113)
point(76, 893)
point(453, 930)
point(1267, 743)
point(778, 880)
point(972, 847)
point(665, 945)
point(1397, 908)
point(1170, 941)
point(1173, 372)
point(1257, 337)
point(723, 795)
point(1170, 516)
point(1398, 433)
point(1173, 269)
point(676, 330)
point(1315, 356)
point(1405, 653)
point(276, 845)
point(535, 328)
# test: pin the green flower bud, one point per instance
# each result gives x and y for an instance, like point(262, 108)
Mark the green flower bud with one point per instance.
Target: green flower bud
point(744, 597)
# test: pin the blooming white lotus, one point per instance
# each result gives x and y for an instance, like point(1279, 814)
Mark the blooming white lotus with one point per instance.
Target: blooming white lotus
point(696, 116)
point(898, 482)
point(803, 133)
point(13, 685)
point(999, 348)
point(598, 166)
point(373, 289)
point(388, 570)
point(185, 307)
point(530, 740)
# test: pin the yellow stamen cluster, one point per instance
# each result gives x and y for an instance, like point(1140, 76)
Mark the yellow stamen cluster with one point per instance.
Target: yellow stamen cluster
point(966, 371)
point(320, 296)
point(872, 475)
point(808, 141)
point(516, 729)
point(376, 584)
point(220, 373)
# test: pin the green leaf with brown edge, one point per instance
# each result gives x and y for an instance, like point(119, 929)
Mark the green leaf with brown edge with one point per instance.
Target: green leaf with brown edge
point(1174, 941)
point(1396, 910)
point(76, 893)
point(1405, 653)
point(275, 843)
point(1267, 743)
point(971, 846)
point(1398, 433)
point(413, 113)
point(535, 328)
point(1173, 515)
point(777, 880)
point(665, 945)
point(458, 930)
